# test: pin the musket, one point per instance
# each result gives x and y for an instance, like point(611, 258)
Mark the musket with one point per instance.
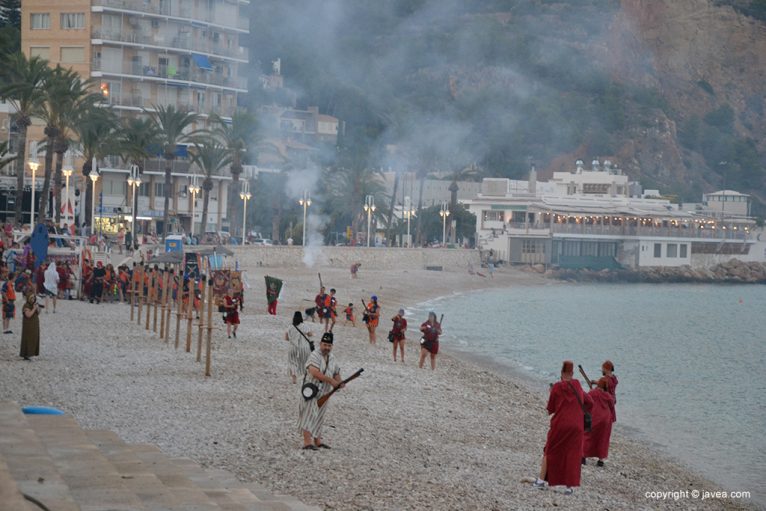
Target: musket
point(582, 372)
point(322, 400)
point(366, 310)
point(320, 280)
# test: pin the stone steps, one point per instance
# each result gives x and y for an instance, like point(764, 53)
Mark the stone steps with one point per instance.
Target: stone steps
point(67, 468)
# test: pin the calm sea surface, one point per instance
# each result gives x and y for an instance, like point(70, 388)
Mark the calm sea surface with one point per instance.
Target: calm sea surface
point(691, 359)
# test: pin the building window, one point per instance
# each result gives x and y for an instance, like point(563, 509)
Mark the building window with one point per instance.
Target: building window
point(72, 54)
point(672, 250)
point(493, 216)
point(683, 249)
point(658, 250)
point(159, 189)
point(72, 20)
point(40, 21)
point(532, 247)
point(44, 52)
point(143, 190)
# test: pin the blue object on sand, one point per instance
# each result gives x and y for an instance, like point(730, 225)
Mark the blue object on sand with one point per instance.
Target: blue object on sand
point(41, 410)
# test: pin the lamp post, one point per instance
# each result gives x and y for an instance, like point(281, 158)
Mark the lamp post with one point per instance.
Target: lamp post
point(33, 166)
point(444, 213)
point(305, 201)
point(194, 189)
point(134, 181)
point(409, 213)
point(93, 177)
point(245, 195)
point(67, 171)
point(369, 208)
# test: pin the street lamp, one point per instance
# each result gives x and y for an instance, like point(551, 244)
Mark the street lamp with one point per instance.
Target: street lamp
point(33, 166)
point(444, 213)
point(304, 201)
point(245, 195)
point(93, 177)
point(369, 207)
point(134, 181)
point(67, 171)
point(194, 189)
point(409, 212)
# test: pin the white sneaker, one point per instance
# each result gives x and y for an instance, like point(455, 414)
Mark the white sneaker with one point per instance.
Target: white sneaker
point(569, 491)
point(539, 483)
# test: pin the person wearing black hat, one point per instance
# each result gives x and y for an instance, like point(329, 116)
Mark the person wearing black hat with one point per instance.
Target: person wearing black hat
point(322, 375)
point(300, 347)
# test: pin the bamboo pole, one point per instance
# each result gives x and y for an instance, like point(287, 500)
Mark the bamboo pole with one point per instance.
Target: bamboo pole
point(156, 298)
point(148, 300)
point(140, 292)
point(164, 302)
point(209, 345)
point(201, 318)
point(169, 312)
point(179, 306)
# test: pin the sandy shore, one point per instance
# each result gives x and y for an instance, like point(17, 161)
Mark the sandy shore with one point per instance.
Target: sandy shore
point(462, 437)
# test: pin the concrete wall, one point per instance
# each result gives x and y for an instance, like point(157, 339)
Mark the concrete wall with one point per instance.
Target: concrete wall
point(646, 255)
point(756, 253)
point(343, 257)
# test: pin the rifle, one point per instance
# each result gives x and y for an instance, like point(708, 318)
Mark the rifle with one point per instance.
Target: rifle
point(322, 400)
point(320, 280)
point(582, 372)
point(366, 316)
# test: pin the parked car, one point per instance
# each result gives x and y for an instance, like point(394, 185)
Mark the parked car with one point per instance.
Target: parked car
point(261, 241)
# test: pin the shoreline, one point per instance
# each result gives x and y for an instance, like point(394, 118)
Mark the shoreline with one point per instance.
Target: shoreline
point(461, 437)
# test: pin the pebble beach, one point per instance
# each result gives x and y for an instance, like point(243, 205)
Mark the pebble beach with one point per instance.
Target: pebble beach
point(466, 436)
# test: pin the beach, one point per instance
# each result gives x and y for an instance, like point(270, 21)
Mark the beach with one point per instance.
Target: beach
point(462, 437)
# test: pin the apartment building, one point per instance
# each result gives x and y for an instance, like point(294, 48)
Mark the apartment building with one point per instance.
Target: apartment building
point(143, 53)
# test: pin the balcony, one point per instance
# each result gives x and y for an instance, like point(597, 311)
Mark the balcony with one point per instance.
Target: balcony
point(178, 44)
point(144, 8)
point(680, 231)
point(183, 76)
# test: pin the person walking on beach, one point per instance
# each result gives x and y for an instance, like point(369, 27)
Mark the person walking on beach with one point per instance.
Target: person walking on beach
point(231, 307)
point(300, 349)
point(51, 284)
point(9, 303)
point(355, 269)
point(319, 300)
point(373, 317)
point(607, 370)
point(596, 443)
point(331, 311)
point(563, 450)
point(30, 329)
point(97, 285)
point(398, 333)
point(323, 372)
point(429, 344)
point(349, 312)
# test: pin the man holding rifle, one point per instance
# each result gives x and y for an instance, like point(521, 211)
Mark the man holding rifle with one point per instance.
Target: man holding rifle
point(323, 373)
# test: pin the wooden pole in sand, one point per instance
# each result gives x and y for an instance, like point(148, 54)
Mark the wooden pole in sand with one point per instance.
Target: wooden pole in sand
point(190, 316)
point(156, 300)
point(201, 318)
point(171, 280)
point(209, 345)
point(164, 302)
point(140, 292)
point(179, 306)
point(148, 300)
point(133, 293)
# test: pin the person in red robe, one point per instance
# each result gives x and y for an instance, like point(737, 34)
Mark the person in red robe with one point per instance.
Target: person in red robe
point(563, 449)
point(602, 416)
point(231, 305)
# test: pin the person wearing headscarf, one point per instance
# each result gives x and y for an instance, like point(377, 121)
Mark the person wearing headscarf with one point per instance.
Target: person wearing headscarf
point(300, 349)
point(429, 344)
point(30, 328)
point(323, 372)
point(562, 455)
point(372, 315)
point(602, 416)
point(51, 284)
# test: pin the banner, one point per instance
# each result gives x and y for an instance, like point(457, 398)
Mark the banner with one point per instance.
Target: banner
point(273, 288)
point(191, 268)
point(220, 285)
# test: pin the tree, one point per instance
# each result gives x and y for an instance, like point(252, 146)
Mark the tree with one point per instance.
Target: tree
point(10, 13)
point(173, 129)
point(347, 188)
point(5, 156)
point(212, 157)
point(237, 136)
point(23, 80)
point(67, 96)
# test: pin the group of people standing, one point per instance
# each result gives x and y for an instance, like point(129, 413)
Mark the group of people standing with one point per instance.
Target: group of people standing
point(572, 438)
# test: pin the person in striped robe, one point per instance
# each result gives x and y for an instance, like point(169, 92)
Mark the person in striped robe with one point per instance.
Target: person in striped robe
point(323, 371)
point(300, 349)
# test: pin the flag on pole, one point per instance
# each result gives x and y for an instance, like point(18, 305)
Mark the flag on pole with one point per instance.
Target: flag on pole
point(273, 288)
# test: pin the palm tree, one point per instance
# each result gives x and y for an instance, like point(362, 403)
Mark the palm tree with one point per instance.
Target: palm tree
point(173, 129)
point(98, 131)
point(5, 157)
point(136, 139)
point(348, 187)
point(67, 96)
point(22, 80)
point(237, 136)
point(212, 157)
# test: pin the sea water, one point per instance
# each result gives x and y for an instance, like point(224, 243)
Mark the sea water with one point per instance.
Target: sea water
point(691, 359)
